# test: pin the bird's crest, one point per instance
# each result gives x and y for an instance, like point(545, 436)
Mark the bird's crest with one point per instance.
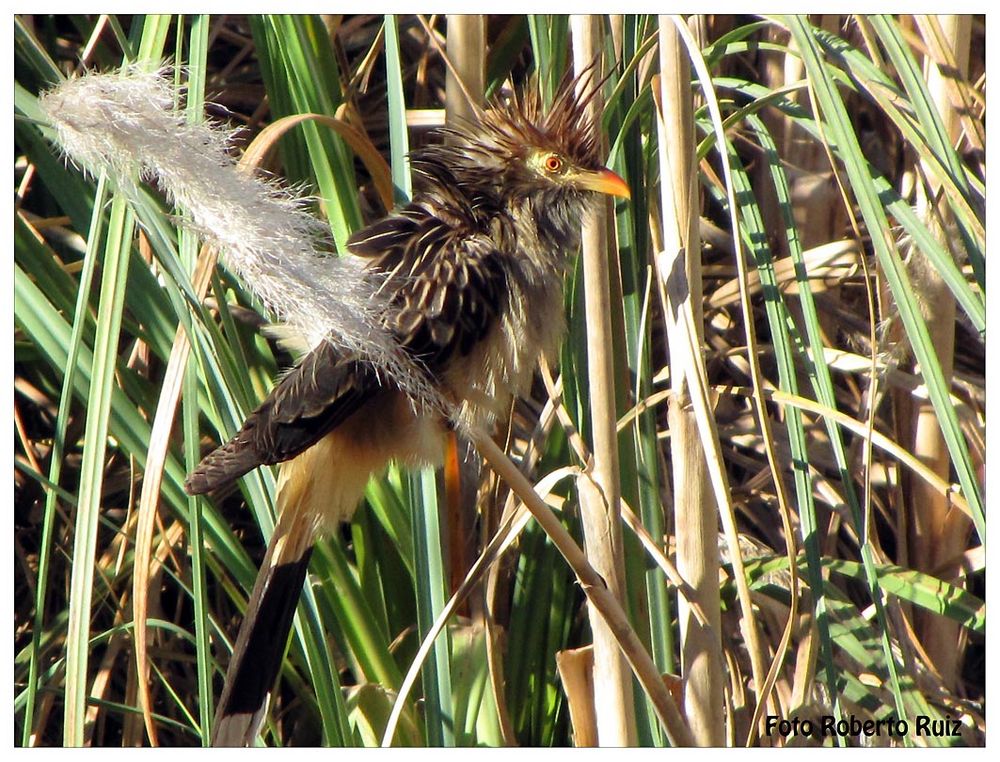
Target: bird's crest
point(510, 125)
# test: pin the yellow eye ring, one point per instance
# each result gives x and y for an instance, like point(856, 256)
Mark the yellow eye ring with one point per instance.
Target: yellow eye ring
point(553, 163)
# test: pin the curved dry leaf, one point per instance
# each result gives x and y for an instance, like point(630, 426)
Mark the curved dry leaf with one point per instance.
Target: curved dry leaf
point(357, 140)
point(827, 266)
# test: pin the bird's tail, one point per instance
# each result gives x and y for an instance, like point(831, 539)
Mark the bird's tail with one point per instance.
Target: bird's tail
point(314, 494)
point(317, 490)
point(260, 645)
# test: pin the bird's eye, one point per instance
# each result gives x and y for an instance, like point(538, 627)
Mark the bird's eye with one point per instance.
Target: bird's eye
point(553, 163)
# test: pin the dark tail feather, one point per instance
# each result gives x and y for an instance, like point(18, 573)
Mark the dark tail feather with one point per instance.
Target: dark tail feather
point(260, 645)
point(313, 494)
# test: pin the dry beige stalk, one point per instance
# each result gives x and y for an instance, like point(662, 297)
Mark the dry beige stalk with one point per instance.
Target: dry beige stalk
point(937, 532)
point(695, 514)
point(576, 672)
point(599, 499)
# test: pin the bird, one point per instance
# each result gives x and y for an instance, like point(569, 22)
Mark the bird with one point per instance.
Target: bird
point(471, 271)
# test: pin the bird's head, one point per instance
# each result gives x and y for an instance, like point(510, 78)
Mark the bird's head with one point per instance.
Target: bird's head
point(544, 160)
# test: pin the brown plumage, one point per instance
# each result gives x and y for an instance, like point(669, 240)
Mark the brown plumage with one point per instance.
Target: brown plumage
point(473, 269)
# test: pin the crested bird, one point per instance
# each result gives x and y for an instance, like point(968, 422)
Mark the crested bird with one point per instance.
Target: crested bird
point(472, 272)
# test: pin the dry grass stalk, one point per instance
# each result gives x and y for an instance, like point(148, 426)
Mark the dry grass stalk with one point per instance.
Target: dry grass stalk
point(598, 594)
point(599, 502)
point(466, 49)
point(938, 534)
point(576, 672)
point(695, 515)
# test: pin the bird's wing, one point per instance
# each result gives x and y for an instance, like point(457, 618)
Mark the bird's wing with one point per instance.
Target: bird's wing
point(445, 286)
point(446, 278)
point(309, 402)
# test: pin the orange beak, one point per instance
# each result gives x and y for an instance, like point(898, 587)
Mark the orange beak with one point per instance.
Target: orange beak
point(604, 181)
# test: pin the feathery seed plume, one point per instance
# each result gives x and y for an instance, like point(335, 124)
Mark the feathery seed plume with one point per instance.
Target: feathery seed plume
point(125, 123)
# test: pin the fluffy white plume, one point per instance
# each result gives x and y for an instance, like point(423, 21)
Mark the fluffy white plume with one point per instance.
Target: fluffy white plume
point(126, 123)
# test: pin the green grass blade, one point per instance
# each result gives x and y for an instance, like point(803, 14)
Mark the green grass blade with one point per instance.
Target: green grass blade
point(115, 258)
point(55, 468)
point(431, 583)
point(197, 75)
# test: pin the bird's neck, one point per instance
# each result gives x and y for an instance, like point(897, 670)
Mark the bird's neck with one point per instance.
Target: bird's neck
point(549, 231)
